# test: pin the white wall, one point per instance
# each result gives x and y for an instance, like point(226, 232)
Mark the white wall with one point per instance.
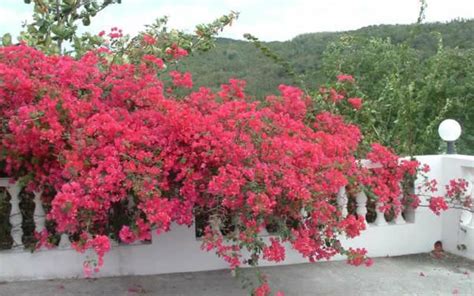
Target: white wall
point(454, 234)
point(179, 251)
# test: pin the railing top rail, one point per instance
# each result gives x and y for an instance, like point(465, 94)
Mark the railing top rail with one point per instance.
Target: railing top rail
point(5, 182)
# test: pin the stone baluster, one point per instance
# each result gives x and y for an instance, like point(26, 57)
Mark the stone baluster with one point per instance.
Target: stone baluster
point(16, 217)
point(39, 215)
point(342, 201)
point(64, 242)
point(131, 202)
point(398, 217)
point(380, 219)
point(304, 213)
point(361, 200)
point(263, 232)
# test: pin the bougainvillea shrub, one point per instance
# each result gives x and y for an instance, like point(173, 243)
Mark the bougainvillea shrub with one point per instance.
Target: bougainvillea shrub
point(100, 137)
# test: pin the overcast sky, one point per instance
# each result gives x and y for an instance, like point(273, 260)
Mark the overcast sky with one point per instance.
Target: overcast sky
point(268, 20)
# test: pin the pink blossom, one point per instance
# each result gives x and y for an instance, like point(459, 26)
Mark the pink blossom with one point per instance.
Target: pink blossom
point(262, 290)
point(274, 252)
point(345, 78)
point(437, 204)
point(148, 39)
point(182, 79)
point(356, 103)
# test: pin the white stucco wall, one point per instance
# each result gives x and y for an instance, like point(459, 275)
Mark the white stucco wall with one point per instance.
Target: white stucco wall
point(179, 251)
point(453, 233)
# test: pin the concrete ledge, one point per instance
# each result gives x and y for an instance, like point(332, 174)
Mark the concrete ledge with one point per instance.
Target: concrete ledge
point(179, 251)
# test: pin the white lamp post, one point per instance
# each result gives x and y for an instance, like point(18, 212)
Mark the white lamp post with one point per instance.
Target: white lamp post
point(449, 130)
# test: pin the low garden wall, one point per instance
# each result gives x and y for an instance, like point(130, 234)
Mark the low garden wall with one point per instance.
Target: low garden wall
point(179, 250)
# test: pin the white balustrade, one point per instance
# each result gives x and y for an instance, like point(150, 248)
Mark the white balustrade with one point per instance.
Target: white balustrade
point(422, 232)
point(16, 217)
point(361, 200)
point(342, 201)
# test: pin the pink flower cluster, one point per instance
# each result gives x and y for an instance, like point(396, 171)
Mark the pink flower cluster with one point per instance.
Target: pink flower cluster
point(141, 231)
point(456, 192)
point(93, 134)
point(176, 52)
point(353, 225)
point(384, 179)
point(438, 204)
point(345, 78)
point(274, 252)
point(337, 95)
point(182, 79)
point(358, 257)
point(115, 33)
point(148, 39)
point(356, 103)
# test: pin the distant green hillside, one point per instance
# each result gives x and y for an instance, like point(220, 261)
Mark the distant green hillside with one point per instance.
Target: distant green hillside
point(240, 59)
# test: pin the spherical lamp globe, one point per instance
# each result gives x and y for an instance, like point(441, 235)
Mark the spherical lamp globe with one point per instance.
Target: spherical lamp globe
point(449, 130)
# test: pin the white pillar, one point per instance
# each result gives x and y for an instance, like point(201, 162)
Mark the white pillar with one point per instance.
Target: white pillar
point(361, 200)
point(16, 219)
point(380, 219)
point(342, 201)
point(131, 202)
point(64, 242)
point(398, 217)
point(39, 215)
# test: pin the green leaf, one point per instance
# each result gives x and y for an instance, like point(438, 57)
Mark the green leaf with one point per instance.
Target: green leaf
point(56, 29)
point(7, 39)
point(86, 21)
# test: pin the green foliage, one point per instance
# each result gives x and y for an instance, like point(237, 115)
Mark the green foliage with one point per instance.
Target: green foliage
point(411, 76)
point(409, 95)
point(305, 54)
point(54, 30)
point(128, 49)
point(5, 227)
point(236, 59)
point(7, 39)
point(277, 59)
point(56, 22)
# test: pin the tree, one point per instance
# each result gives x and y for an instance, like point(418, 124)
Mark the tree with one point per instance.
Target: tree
point(408, 96)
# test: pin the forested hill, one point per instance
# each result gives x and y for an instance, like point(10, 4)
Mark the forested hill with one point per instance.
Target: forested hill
point(240, 59)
